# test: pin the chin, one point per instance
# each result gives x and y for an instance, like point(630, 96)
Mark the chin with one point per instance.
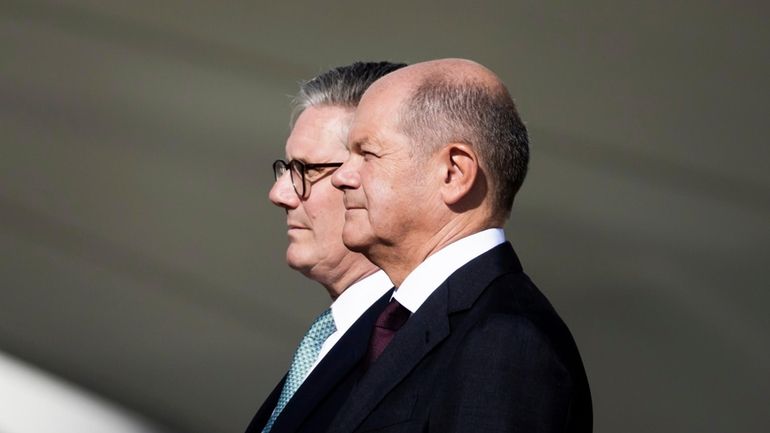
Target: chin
point(355, 242)
point(298, 262)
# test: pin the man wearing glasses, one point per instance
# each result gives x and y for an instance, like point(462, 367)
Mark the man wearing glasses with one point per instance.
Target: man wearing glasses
point(326, 363)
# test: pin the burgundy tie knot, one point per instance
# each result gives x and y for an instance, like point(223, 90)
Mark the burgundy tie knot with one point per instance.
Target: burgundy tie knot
point(388, 322)
point(393, 316)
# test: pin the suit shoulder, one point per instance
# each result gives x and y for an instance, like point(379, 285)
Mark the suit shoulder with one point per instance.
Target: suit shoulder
point(526, 382)
point(511, 338)
point(513, 319)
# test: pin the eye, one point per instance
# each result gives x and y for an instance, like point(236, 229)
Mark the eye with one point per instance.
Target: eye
point(368, 155)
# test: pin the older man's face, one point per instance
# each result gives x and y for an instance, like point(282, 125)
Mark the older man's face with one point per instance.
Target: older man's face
point(315, 222)
point(386, 193)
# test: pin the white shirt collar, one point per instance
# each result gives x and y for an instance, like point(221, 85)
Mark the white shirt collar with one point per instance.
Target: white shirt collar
point(356, 299)
point(429, 274)
point(350, 305)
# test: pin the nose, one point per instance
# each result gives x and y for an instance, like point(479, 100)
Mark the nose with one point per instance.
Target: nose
point(282, 193)
point(347, 177)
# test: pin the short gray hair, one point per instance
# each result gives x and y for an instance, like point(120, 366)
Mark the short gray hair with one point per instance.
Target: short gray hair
point(342, 86)
point(443, 109)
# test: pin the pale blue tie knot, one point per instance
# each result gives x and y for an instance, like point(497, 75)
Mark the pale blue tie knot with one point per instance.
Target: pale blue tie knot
point(304, 358)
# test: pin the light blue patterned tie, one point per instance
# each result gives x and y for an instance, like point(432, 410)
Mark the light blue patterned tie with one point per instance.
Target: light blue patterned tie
point(304, 358)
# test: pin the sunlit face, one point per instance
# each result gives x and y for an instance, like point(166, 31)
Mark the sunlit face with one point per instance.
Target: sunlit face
point(387, 191)
point(315, 222)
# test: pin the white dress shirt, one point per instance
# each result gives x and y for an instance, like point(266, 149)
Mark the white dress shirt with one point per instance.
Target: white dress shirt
point(350, 305)
point(429, 275)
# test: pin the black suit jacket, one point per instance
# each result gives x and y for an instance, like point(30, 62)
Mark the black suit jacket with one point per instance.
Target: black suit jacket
point(486, 352)
point(313, 406)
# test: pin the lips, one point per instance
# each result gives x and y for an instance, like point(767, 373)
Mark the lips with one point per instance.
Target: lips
point(351, 206)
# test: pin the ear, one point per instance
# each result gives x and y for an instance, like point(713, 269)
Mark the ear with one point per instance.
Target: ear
point(460, 167)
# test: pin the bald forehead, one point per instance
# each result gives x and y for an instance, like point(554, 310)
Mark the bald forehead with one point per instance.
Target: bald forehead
point(384, 97)
point(401, 83)
point(452, 69)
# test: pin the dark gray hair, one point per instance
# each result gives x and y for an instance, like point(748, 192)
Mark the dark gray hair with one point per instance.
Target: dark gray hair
point(443, 109)
point(341, 86)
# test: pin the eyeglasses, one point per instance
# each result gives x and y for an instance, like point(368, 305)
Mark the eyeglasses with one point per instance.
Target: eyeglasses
point(299, 171)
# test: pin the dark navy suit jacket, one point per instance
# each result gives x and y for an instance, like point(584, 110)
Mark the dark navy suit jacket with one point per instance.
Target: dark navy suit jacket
point(486, 352)
point(316, 402)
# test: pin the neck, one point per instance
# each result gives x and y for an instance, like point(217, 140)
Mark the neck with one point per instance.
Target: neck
point(338, 283)
point(398, 261)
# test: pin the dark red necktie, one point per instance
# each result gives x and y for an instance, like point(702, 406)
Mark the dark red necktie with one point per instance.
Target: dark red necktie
point(388, 323)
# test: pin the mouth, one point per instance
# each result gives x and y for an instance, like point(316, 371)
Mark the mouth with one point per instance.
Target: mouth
point(351, 206)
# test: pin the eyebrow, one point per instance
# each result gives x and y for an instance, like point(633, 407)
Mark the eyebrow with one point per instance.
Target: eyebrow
point(372, 145)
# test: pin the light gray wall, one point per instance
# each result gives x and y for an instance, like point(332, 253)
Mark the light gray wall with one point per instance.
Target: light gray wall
point(141, 259)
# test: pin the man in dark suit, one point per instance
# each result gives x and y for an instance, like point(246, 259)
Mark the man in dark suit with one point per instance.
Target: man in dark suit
point(468, 344)
point(325, 364)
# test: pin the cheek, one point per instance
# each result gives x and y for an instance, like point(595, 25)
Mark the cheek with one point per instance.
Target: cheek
point(326, 212)
point(383, 205)
point(397, 205)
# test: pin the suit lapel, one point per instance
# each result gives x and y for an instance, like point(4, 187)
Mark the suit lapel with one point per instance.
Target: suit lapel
point(424, 330)
point(263, 414)
point(336, 365)
point(413, 341)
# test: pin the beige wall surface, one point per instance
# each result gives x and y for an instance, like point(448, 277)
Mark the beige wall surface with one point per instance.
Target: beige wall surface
point(141, 259)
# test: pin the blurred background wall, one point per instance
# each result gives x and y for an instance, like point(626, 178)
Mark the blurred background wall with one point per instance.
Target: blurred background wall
point(141, 260)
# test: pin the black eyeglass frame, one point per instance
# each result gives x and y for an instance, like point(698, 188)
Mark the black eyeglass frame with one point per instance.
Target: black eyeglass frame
point(297, 167)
